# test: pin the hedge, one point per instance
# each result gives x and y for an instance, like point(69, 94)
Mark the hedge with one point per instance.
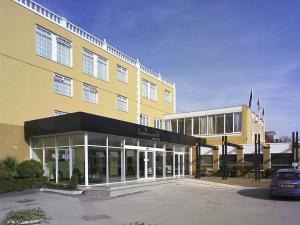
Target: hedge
point(21, 184)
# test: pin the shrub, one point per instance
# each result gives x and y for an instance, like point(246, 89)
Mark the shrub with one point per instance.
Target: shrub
point(10, 164)
point(30, 169)
point(25, 216)
point(74, 182)
point(203, 171)
point(217, 173)
point(21, 184)
point(3, 172)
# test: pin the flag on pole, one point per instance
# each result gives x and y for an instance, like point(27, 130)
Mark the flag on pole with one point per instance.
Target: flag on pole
point(263, 112)
point(250, 99)
point(258, 104)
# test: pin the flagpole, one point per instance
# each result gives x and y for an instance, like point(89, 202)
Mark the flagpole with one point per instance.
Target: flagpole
point(250, 104)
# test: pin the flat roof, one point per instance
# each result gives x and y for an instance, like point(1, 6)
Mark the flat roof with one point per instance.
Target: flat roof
point(81, 121)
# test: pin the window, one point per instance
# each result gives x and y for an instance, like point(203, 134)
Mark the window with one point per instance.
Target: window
point(148, 90)
point(122, 103)
point(203, 125)
point(167, 96)
point(174, 125)
point(196, 125)
point(122, 74)
point(237, 122)
point(168, 126)
point(88, 62)
point(181, 126)
point(102, 72)
point(220, 123)
point(211, 124)
point(46, 42)
point(62, 85)
point(229, 123)
point(188, 126)
point(59, 113)
point(144, 120)
point(157, 123)
point(63, 51)
point(90, 93)
point(43, 43)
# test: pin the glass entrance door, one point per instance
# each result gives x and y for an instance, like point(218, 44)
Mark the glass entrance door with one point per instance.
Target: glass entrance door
point(146, 165)
point(179, 170)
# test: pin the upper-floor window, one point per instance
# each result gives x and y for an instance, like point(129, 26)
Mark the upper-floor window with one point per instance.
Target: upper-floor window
point(122, 74)
point(58, 113)
point(148, 90)
point(95, 65)
point(157, 123)
point(102, 72)
point(122, 103)
point(52, 46)
point(168, 125)
point(167, 96)
point(62, 85)
point(90, 93)
point(144, 120)
point(88, 62)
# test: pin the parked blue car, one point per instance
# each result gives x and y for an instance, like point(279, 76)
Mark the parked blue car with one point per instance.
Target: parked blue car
point(286, 182)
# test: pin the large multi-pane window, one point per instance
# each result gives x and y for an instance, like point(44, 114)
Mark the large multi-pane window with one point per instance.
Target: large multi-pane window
point(148, 90)
point(122, 103)
point(122, 74)
point(167, 95)
point(196, 124)
point(144, 120)
point(203, 125)
point(90, 93)
point(63, 51)
point(88, 62)
point(62, 85)
point(220, 124)
point(181, 126)
point(102, 73)
point(168, 125)
point(46, 42)
point(188, 126)
point(228, 123)
point(237, 122)
point(43, 43)
point(211, 124)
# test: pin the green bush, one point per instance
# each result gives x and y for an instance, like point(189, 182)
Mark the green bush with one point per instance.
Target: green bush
point(30, 169)
point(21, 184)
point(10, 164)
point(217, 173)
point(3, 172)
point(203, 171)
point(74, 182)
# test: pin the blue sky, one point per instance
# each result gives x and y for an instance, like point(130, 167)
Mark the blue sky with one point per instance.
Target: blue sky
point(214, 51)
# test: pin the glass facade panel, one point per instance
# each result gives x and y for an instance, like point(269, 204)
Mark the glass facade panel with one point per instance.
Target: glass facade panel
point(63, 165)
point(174, 125)
point(49, 141)
point(131, 141)
point(97, 139)
point(281, 160)
point(159, 144)
point(97, 165)
point(188, 126)
point(115, 141)
point(237, 122)
point(207, 161)
point(114, 158)
point(203, 125)
point(169, 164)
point(78, 163)
point(131, 164)
point(146, 143)
point(187, 164)
point(36, 142)
point(150, 165)
point(229, 123)
point(196, 125)
point(62, 140)
point(49, 167)
point(77, 139)
point(38, 155)
point(220, 124)
point(211, 125)
point(159, 164)
point(180, 126)
point(142, 156)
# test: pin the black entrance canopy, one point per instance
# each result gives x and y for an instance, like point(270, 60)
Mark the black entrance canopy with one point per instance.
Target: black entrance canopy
point(81, 121)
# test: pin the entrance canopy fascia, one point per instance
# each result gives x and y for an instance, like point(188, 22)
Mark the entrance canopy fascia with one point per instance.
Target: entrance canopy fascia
point(81, 121)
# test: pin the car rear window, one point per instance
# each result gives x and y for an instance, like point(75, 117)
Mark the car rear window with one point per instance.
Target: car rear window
point(288, 176)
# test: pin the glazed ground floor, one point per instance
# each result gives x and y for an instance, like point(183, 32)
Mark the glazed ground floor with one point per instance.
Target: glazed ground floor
point(103, 159)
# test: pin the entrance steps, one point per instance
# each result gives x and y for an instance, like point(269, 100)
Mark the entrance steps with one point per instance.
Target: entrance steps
point(125, 188)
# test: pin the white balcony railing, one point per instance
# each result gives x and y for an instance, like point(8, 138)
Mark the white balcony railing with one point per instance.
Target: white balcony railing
point(46, 13)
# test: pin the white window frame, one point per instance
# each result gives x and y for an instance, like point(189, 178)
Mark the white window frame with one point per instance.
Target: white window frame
point(148, 95)
point(54, 41)
point(144, 120)
point(59, 113)
point(158, 123)
point(60, 77)
point(124, 100)
point(122, 69)
point(107, 66)
point(168, 96)
point(90, 88)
